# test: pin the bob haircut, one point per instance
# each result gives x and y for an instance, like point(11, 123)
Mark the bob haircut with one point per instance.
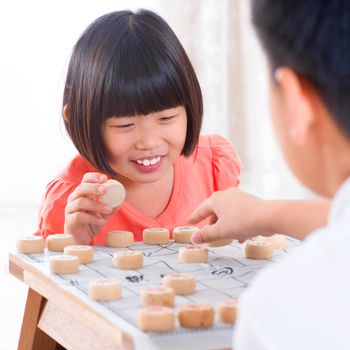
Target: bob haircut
point(127, 64)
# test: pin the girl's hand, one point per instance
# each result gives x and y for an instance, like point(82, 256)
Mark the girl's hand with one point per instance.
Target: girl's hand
point(84, 216)
point(233, 214)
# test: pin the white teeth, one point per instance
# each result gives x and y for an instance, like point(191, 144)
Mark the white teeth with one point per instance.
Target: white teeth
point(147, 162)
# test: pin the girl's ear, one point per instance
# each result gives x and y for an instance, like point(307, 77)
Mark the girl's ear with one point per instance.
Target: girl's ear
point(299, 104)
point(65, 113)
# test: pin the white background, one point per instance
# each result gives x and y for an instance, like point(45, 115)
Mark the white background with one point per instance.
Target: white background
point(36, 39)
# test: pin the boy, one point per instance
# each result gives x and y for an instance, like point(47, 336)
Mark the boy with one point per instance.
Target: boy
point(303, 302)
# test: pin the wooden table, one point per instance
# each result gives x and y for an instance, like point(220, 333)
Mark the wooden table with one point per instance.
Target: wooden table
point(56, 319)
point(60, 313)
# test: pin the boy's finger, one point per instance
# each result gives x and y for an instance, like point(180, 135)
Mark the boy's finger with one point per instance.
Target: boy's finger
point(201, 212)
point(206, 234)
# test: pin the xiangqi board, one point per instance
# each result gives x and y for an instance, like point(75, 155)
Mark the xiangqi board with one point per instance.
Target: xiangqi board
point(226, 275)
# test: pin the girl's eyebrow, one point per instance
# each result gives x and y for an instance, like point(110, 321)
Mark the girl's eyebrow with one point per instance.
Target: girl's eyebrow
point(168, 110)
point(121, 117)
point(171, 110)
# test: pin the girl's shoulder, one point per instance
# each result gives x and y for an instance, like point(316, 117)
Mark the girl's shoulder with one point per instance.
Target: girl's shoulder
point(51, 213)
point(217, 148)
point(213, 141)
point(75, 170)
point(215, 156)
point(67, 180)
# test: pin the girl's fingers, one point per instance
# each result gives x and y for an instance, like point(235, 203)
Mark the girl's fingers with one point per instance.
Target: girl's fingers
point(94, 178)
point(87, 190)
point(83, 204)
point(87, 219)
point(106, 214)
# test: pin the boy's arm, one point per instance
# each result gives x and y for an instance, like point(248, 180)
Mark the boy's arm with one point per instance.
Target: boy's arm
point(296, 218)
point(242, 216)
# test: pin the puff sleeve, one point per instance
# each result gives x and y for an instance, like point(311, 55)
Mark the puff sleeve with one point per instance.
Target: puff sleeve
point(225, 163)
point(51, 213)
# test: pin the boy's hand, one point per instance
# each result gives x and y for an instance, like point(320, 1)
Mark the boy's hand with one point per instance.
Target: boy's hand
point(84, 216)
point(233, 214)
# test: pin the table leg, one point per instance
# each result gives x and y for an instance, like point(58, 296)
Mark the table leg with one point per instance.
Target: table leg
point(31, 337)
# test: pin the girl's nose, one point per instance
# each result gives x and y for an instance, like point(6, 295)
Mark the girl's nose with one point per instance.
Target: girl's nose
point(148, 138)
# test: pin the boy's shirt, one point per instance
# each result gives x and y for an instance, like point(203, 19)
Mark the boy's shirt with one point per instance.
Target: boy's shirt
point(213, 166)
point(295, 304)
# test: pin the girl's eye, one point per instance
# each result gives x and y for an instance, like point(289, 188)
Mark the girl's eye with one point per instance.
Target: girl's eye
point(124, 126)
point(165, 119)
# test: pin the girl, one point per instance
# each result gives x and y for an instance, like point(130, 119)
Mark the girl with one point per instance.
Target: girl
point(132, 106)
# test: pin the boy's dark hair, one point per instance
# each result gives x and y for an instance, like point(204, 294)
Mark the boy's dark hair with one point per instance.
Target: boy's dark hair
point(312, 37)
point(126, 64)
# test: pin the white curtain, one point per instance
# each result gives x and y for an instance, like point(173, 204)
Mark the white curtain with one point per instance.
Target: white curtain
point(217, 36)
point(231, 67)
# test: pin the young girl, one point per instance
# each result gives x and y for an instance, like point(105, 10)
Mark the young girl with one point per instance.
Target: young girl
point(132, 106)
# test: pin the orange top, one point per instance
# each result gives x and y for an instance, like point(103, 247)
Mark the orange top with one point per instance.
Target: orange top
point(213, 167)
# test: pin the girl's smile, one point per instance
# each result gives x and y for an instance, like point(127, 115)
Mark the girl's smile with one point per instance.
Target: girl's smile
point(149, 164)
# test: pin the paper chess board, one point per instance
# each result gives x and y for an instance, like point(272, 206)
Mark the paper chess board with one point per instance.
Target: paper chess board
point(227, 274)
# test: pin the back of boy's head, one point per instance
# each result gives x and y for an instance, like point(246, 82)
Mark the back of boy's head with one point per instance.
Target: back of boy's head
point(312, 37)
point(127, 64)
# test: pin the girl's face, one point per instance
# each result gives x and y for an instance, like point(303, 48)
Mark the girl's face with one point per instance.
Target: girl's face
point(142, 149)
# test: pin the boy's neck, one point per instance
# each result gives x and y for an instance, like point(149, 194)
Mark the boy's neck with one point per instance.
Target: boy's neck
point(336, 159)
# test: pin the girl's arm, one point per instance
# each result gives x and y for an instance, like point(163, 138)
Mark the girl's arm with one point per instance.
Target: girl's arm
point(239, 215)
